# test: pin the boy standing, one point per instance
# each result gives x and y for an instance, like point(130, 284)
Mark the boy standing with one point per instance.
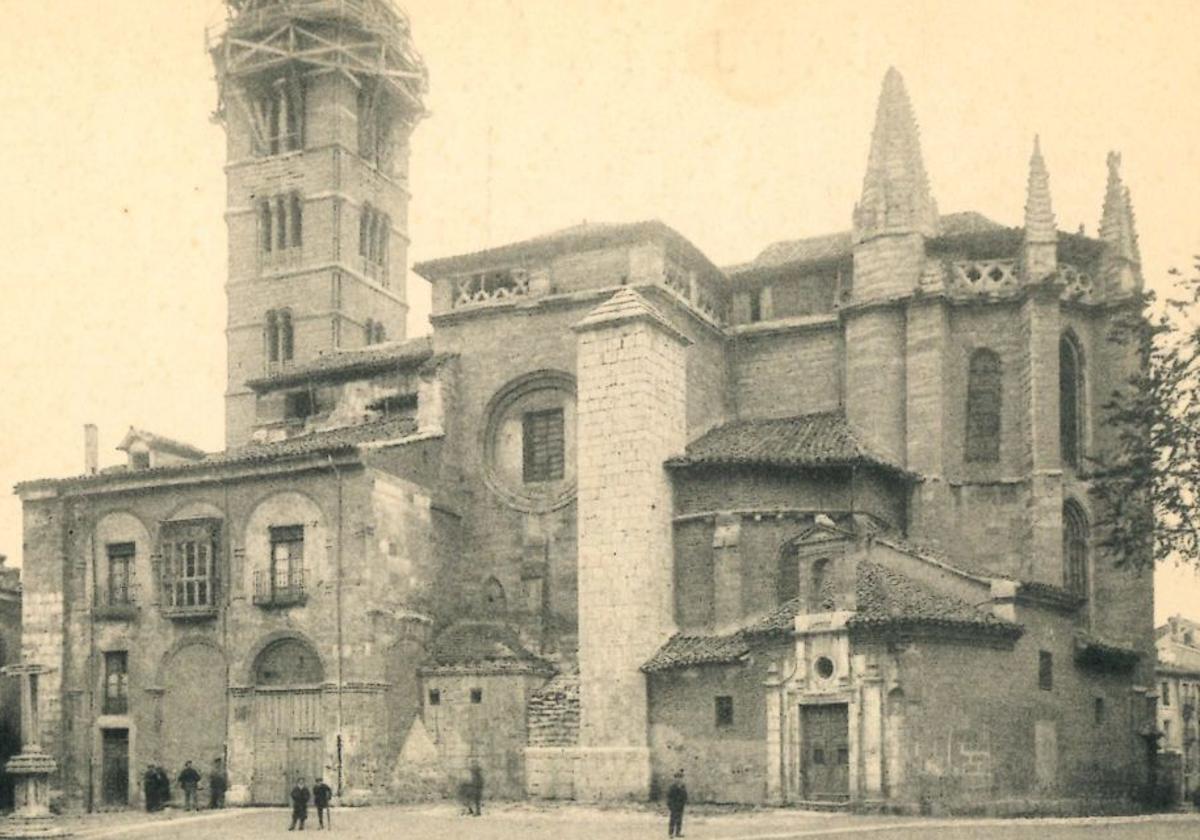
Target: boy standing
point(322, 794)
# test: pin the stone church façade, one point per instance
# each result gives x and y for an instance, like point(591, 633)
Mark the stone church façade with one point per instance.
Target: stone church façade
point(815, 527)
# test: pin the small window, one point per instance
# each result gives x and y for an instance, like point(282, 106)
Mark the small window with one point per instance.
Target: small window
point(1098, 710)
point(755, 306)
point(435, 697)
point(120, 573)
point(1166, 694)
point(1045, 670)
point(824, 667)
point(543, 445)
point(843, 755)
point(116, 682)
point(724, 711)
point(818, 755)
point(476, 695)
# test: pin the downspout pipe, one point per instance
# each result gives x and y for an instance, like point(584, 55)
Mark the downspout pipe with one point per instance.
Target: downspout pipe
point(338, 607)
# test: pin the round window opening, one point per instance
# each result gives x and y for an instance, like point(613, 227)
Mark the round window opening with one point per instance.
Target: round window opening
point(529, 441)
point(824, 667)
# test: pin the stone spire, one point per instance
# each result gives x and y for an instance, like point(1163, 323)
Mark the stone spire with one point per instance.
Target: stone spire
point(895, 196)
point(1122, 261)
point(1041, 233)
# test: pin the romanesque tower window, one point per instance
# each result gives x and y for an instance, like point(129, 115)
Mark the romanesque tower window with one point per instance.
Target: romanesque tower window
point(1075, 549)
point(983, 407)
point(1070, 389)
point(374, 232)
point(543, 445)
point(116, 682)
point(374, 127)
point(280, 339)
point(120, 573)
point(281, 227)
point(279, 117)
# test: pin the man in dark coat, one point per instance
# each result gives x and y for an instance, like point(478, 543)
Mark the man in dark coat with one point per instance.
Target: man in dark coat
point(476, 790)
point(150, 788)
point(217, 784)
point(162, 786)
point(189, 780)
point(300, 797)
point(676, 799)
point(322, 794)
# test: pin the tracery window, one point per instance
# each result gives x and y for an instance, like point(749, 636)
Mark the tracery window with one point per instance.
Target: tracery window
point(1075, 549)
point(279, 117)
point(1070, 389)
point(984, 389)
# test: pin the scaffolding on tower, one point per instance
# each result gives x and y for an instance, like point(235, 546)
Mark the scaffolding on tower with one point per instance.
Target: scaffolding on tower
point(367, 41)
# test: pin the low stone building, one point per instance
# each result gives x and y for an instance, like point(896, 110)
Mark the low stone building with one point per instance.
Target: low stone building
point(816, 527)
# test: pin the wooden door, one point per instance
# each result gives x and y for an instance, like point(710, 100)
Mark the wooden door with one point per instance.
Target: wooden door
point(114, 767)
point(287, 742)
point(825, 753)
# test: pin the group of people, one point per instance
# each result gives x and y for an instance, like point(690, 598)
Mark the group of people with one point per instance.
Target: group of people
point(156, 785)
point(321, 795)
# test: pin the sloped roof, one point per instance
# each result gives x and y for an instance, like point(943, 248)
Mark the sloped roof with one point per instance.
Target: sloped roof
point(341, 364)
point(582, 237)
point(482, 646)
point(885, 599)
point(809, 440)
point(160, 442)
point(343, 439)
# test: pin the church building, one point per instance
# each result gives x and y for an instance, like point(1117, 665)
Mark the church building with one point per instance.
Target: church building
point(815, 528)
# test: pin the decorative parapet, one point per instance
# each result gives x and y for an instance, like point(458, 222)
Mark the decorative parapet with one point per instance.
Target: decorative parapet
point(1003, 278)
point(494, 286)
point(701, 294)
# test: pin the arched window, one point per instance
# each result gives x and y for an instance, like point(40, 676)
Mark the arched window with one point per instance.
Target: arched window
point(287, 343)
point(788, 586)
point(272, 337)
point(983, 407)
point(265, 216)
point(288, 662)
point(495, 602)
point(296, 218)
point(1070, 389)
point(1075, 549)
point(817, 579)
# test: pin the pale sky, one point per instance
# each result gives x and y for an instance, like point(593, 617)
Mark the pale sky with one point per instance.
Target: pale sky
point(738, 122)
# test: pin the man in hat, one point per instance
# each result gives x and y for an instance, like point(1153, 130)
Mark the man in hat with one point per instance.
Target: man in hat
point(300, 797)
point(676, 799)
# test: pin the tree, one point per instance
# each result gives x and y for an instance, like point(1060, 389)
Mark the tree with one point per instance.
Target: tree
point(1148, 486)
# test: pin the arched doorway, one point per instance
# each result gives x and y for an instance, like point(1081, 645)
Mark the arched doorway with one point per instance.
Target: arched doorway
point(193, 720)
point(287, 719)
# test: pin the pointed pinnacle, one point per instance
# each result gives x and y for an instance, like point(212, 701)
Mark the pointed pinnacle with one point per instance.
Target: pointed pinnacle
point(1116, 219)
point(1039, 212)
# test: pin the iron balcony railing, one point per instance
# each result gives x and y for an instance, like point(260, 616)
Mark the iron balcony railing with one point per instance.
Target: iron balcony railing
point(118, 600)
point(280, 589)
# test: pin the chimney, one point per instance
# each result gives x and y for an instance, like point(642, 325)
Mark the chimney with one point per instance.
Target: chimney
point(91, 449)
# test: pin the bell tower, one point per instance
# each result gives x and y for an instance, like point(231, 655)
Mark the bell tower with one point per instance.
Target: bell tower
point(318, 99)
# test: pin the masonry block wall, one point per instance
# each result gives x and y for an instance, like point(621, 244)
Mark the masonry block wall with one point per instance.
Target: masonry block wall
point(632, 417)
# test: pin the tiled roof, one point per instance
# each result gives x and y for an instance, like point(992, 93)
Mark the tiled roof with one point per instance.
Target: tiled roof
point(885, 596)
point(316, 443)
point(885, 599)
point(345, 363)
point(838, 245)
point(682, 651)
point(1094, 651)
point(583, 237)
point(810, 440)
point(482, 646)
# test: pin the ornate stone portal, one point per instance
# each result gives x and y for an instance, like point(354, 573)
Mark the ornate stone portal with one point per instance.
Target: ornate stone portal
point(31, 769)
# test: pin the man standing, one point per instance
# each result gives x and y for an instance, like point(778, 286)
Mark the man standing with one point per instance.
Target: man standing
point(676, 799)
point(300, 797)
point(189, 780)
point(162, 787)
point(150, 788)
point(476, 789)
point(322, 794)
point(217, 783)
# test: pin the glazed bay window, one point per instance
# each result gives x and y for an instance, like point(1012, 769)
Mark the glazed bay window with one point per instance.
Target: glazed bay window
point(543, 445)
point(189, 568)
point(116, 682)
point(282, 583)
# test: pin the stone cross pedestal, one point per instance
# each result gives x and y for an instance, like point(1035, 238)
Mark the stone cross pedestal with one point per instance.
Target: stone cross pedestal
point(30, 769)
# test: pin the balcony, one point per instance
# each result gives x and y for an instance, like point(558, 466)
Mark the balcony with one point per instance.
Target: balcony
point(190, 599)
point(279, 590)
point(118, 603)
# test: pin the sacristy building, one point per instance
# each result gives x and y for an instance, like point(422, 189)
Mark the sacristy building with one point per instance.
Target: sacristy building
point(811, 528)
